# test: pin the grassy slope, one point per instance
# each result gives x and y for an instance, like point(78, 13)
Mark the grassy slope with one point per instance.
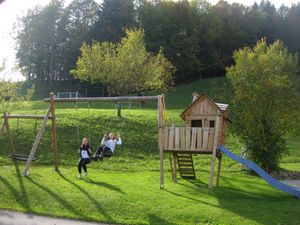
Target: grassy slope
point(125, 188)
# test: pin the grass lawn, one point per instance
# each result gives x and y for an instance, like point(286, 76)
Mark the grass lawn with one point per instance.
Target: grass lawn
point(124, 189)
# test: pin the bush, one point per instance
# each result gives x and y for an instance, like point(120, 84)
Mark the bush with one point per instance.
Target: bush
point(266, 104)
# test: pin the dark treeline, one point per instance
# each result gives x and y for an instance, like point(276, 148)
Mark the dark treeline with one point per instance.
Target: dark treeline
point(197, 37)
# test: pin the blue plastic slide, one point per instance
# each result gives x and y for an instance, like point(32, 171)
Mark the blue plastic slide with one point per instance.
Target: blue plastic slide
point(275, 183)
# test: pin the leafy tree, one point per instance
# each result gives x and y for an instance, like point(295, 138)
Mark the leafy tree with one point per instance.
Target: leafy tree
point(113, 17)
point(11, 96)
point(173, 26)
point(126, 66)
point(37, 42)
point(266, 104)
point(76, 27)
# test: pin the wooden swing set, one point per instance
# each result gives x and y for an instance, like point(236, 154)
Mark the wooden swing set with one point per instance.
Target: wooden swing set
point(204, 131)
point(51, 115)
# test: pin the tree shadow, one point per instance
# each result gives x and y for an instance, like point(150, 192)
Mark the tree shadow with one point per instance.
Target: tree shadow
point(190, 198)
point(154, 219)
point(90, 197)
point(103, 184)
point(257, 203)
point(20, 196)
point(59, 199)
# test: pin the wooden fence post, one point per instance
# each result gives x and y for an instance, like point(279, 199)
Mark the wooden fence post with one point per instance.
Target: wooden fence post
point(160, 139)
point(54, 143)
point(11, 142)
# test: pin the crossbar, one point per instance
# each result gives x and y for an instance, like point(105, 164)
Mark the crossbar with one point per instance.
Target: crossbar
point(18, 116)
point(104, 99)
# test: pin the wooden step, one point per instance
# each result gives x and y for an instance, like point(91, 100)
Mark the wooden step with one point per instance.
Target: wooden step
point(183, 161)
point(185, 166)
point(183, 157)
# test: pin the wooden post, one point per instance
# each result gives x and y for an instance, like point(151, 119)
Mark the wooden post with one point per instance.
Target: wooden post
point(219, 170)
point(215, 145)
point(2, 127)
point(174, 169)
point(160, 139)
point(54, 143)
point(36, 142)
point(222, 141)
point(11, 142)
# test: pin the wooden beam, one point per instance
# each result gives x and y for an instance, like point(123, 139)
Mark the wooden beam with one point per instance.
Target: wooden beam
point(182, 151)
point(2, 127)
point(19, 116)
point(174, 169)
point(215, 145)
point(161, 139)
point(104, 99)
point(219, 170)
point(36, 142)
point(54, 143)
point(11, 142)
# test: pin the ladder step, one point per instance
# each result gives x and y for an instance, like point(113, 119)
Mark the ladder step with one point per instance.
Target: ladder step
point(185, 164)
point(183, 170)
point(184, 160)
point(183, 157)
point(188, 177)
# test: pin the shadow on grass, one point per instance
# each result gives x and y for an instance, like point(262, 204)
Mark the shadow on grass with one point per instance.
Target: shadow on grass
point(154, 219)
point(59, 199)
point(106, 185)
point(90, 197)
point(20, 196)
point(264, 207)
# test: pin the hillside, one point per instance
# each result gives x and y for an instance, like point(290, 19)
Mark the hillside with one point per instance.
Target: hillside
point(125, 188)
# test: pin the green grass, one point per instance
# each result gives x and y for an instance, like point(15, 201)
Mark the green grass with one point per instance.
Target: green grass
point(124, 189)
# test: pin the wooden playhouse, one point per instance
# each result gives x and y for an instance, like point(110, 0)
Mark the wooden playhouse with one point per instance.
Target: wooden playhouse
point(204, 131)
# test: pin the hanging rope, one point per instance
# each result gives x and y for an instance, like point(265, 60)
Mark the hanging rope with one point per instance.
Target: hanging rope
point(78, 121)
point(117, 105)
point(18, 126)
point(124, 118)
point(89, 123)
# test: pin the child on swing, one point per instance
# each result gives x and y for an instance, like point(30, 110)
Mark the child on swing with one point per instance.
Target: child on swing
point(108, 144)
point(85, 150)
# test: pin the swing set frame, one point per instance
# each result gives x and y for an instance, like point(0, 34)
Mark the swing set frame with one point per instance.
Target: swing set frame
point(160, 116)
point(51, 115)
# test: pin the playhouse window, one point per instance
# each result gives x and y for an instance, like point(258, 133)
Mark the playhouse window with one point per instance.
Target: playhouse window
point(196, 123)
point(211, 123)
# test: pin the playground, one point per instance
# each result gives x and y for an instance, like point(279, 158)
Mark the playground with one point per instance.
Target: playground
point(127, 188)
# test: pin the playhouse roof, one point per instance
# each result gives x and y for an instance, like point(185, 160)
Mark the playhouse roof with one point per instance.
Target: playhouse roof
point(197, 97)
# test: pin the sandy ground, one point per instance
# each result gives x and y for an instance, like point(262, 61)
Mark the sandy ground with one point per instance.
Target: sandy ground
point(16, 218)
point(295, 183)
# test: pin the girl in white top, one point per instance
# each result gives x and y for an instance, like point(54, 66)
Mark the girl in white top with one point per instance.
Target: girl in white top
point(108, 145)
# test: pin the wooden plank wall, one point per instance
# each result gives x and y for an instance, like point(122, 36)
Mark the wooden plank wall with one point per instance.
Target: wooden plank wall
point(188, 138)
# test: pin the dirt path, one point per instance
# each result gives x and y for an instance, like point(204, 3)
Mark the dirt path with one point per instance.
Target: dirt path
point(292, 182)
point(16, 218)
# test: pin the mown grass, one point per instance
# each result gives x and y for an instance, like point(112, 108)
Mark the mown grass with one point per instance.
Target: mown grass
point(124, 189)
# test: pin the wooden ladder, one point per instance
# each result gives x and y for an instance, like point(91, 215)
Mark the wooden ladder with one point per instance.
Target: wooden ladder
point(185, 165)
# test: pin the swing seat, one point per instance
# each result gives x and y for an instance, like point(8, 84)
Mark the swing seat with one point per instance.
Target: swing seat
point(20, 157)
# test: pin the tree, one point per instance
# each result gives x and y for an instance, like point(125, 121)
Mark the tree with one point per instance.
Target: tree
point(266, 104)
point(11, 96)
point(38, 42)
point(76, 26)
point(173, 26)
point(113, 17)
point(124, 67)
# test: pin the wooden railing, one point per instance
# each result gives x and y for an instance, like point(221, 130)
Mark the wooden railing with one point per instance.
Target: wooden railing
point(188, 138)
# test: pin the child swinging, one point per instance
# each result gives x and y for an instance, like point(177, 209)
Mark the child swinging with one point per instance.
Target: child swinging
point(107, 148)
point(85, 150)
